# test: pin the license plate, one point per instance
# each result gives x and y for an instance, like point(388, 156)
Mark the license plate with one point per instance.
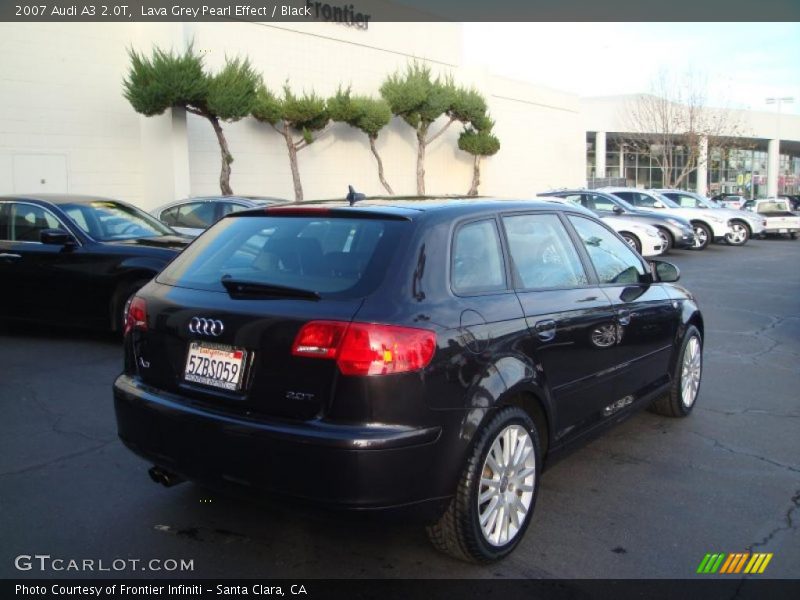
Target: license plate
point(783, 231)
point(215, 365)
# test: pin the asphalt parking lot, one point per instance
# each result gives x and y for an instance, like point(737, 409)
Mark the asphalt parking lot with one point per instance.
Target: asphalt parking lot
point(649, 499)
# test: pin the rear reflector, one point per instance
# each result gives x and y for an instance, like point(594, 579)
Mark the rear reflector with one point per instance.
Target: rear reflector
point(366, 348)
point(136, 317)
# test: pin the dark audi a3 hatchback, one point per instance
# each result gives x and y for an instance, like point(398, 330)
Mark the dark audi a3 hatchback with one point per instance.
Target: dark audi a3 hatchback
point(401, 353)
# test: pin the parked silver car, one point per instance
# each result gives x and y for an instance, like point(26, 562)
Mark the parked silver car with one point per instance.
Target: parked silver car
point(744, 225)
point(192, 216)
point(708, 225)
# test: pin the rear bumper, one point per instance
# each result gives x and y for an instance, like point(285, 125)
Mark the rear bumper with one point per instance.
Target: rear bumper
point(348, 466)
point(775, 230)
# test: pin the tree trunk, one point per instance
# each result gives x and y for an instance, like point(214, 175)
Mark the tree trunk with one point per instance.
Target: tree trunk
point(476, 176)
point(422, 133)
point(380, 165)
point(298, 187)
point(227, 158)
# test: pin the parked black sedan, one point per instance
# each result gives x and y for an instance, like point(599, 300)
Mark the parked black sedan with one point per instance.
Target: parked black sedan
point(75, 259)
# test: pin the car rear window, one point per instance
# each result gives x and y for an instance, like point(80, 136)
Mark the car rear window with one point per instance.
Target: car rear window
point(773, 206)
point(333, 256)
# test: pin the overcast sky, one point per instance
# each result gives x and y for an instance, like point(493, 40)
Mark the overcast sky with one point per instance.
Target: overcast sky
point(743, 63)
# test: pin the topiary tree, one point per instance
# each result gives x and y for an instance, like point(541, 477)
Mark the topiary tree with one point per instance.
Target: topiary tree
point(166, 79)
point(477, 139)
point(420, 100)
point(289, 115)
point(369, 115)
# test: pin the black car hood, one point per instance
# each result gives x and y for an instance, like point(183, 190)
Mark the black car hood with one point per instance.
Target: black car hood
point(169, 242)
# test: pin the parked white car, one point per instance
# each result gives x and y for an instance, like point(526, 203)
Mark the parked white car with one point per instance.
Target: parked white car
point(744, 225)
point(642, 237)
point(708, 225)
point(779, 218)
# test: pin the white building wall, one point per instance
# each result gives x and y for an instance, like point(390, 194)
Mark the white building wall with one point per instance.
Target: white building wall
point(61, 94)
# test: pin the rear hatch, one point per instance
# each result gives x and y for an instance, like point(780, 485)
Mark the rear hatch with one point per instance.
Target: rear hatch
point(223, 317)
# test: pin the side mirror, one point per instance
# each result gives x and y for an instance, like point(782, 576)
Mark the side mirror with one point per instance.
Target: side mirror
point(56, 237)
point(665, 271)
point(618, 210)
point(658, 204)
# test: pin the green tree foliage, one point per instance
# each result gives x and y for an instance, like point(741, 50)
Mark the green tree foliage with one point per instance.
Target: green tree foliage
point(166, 79)
point(419, 100)
point(480, 142)
point(306, 115)
point(369, 115)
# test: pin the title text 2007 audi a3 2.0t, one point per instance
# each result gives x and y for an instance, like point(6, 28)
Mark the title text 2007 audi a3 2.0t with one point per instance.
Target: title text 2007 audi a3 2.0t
point(394, 353)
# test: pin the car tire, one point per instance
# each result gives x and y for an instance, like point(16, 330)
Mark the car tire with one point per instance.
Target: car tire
point(666, 239)
point(685, 386)
point(739, 235)
point(702, 236)
point(119, 306)
point(632, 241)
point(793, 235)
point(460, 531)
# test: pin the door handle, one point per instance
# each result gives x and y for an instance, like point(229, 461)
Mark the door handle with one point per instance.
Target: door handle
point(624, 316)
point(10, 256)
point(545, 330)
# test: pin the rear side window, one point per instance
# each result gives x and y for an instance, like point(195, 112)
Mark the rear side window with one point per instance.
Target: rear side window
point(478, 265)
point(170, 216)
point(342, 257)
point(612, 258)
point(542, 252)
point(197, 215)
point(227, 208)
point(24, 222)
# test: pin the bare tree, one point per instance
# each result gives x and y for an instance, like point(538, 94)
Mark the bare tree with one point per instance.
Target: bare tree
point(673, 122)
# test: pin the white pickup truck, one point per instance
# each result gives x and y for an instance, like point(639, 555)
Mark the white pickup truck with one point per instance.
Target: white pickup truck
point(780, 219)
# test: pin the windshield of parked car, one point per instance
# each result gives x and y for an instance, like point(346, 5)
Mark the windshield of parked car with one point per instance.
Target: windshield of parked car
point(331, 256)
point(624, 203)
point(106, 220)
point(666, 201)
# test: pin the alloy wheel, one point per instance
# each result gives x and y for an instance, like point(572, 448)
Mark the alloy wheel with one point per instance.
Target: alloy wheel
point(665, 240)
point(691, 370)
point(505, 490)
point(738, 234)
point(700, 237)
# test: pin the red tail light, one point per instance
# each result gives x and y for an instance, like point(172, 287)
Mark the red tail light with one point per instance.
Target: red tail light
point(367, 348)
point(136, 317)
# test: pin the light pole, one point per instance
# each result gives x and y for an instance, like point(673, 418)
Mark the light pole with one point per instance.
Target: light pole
point(774, 157)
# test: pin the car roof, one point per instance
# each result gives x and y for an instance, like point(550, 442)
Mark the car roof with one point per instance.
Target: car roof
point(409, 206)
point(59, 198)
point(612, 189)
point(571, 191)
point(234, 197)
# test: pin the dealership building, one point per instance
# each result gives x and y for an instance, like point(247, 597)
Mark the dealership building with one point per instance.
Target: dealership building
point(66, 127)
point(751, 165)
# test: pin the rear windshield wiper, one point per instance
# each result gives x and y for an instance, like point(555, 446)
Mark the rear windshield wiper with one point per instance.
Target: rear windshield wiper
point(238, 288)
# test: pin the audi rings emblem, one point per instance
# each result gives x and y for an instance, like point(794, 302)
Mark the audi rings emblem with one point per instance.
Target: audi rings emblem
point(205, 326)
